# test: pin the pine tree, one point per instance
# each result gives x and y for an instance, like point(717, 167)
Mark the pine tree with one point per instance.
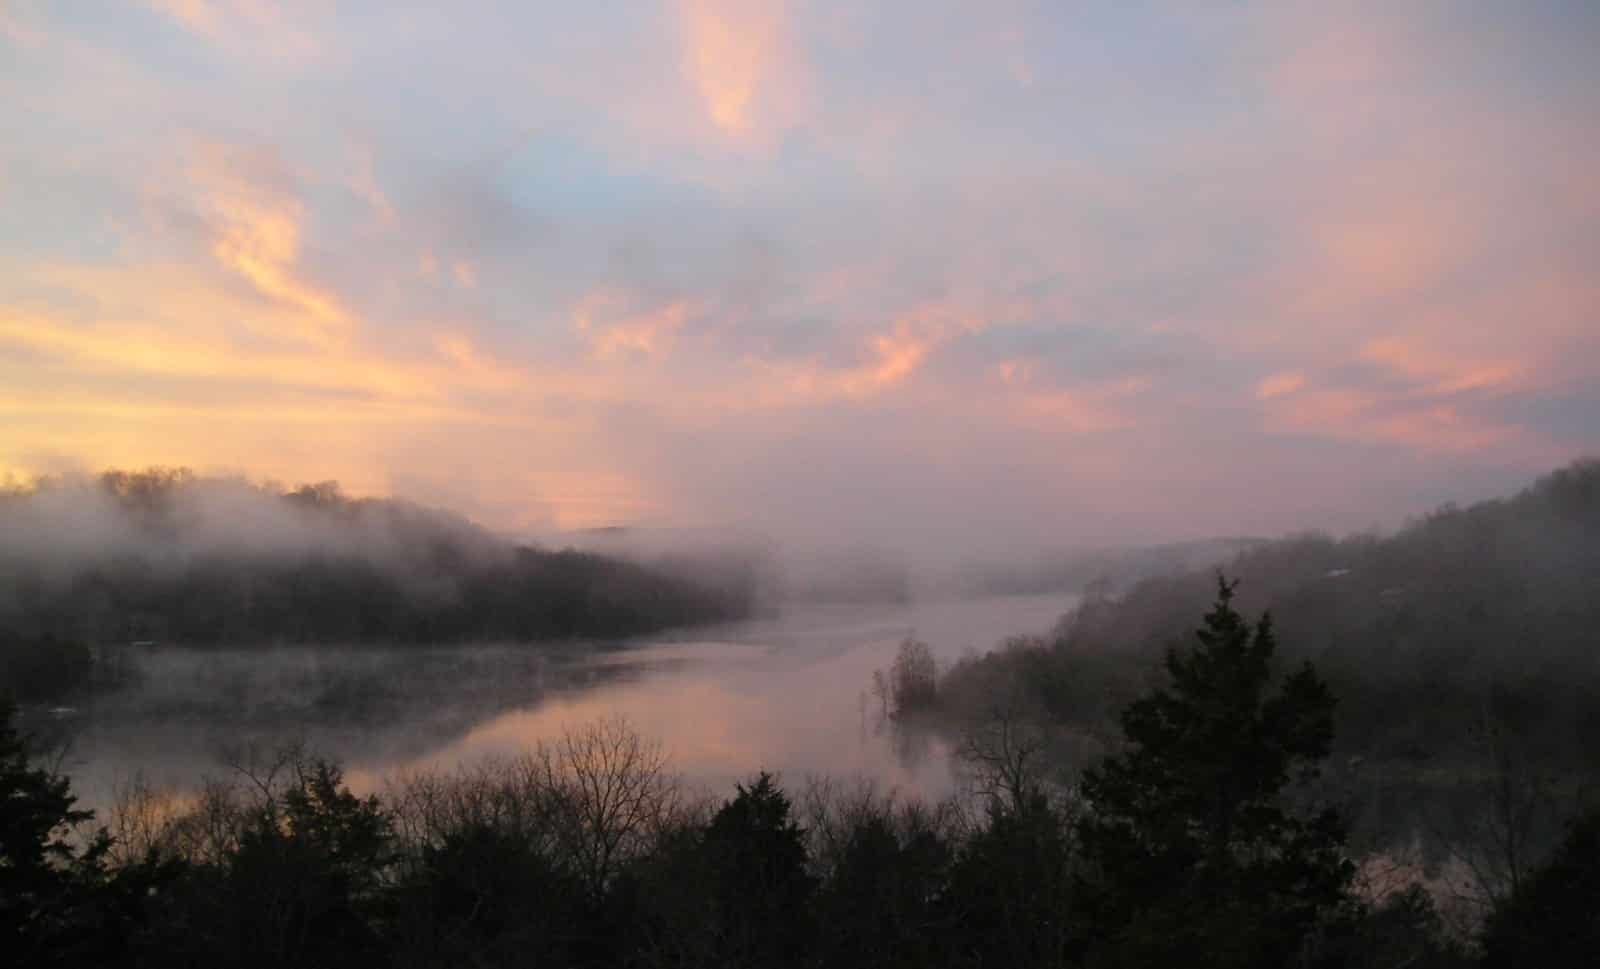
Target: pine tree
point(1196, 854)
point(58, 904)
point(761, 890)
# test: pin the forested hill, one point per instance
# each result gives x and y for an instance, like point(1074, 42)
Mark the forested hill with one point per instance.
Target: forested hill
point(1467, 616)
point(172, 557)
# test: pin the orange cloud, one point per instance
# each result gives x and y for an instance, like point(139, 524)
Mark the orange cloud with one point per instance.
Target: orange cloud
point(591, 498)
point(475, 368)
point(1016, 371)
point(121, 348)
point(1442, 373)
point(195, 15)
point(244, 27)
point(742, 65)
point(899, 354)
point(1078, 410)
point(256, 231)
point(891, 358)
point(1356, 415)
point(1072, 411)
point(730, 47)
point(1280, 384)
point(262, 244)
point(611, 330)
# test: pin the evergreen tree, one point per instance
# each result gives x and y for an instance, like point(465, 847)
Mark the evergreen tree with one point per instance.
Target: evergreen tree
point(1195, 852)
point(762, 893)
point(300, 884)
point(1010, 898)
point(59, 906)
point(38, 865)
point(878, 907)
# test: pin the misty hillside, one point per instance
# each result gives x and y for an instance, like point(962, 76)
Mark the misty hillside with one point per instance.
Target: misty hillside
point(172, 557)
point(1073, 571)
point(1467, 617)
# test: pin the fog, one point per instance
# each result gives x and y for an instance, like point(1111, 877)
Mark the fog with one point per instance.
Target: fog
point(777, 681)
point(786, 694)
point(165, 522)
point(167, 518)
point(165, 555)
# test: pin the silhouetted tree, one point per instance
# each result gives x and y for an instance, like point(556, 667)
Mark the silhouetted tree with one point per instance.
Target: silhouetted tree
point(760, 889)
point(300, 884)
point(485, 896)
point(879, 905)
point(1198, 857)
point(59, 906)
point(1010, 901)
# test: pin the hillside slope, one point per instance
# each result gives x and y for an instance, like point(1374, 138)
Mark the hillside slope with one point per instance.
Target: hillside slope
point(171, 557)
point(1469, 619)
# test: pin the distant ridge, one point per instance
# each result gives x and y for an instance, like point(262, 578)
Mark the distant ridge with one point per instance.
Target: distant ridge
point(171, 556)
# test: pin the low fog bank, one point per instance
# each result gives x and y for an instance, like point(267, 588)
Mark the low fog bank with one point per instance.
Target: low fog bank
point(171, 557)
point(844, 573)
point(861, 574)
point(1104, 569)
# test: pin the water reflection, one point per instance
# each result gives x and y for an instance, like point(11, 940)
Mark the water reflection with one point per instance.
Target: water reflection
point(785, 694)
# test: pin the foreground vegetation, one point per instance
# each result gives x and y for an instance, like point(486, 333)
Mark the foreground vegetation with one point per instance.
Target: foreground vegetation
point(1200, 841)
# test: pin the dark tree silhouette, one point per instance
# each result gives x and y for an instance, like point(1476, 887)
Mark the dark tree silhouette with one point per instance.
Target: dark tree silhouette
point(761, 891)
point(1197, 857)
point(486, 896)
point(59, 905)
point(42, 875)
point(878, 907)
point(1010, 898)
point(300, 885)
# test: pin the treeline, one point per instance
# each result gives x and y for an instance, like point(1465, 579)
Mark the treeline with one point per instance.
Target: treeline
point(1196, 844)
point(170, 557)
point(1070, 571)
point(1468, 627)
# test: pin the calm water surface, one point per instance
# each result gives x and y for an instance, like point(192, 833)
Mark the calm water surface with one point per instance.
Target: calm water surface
point(787, 694)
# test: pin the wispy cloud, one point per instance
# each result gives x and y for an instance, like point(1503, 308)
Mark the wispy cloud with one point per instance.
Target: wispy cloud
point(924, 274)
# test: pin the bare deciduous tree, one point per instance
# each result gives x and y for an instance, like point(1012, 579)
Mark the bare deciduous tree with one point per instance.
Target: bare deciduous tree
point(614, 790)
point(1006, 754)
point(1514, 823)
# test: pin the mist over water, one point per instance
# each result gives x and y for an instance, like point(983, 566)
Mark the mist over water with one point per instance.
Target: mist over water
point(785, 694)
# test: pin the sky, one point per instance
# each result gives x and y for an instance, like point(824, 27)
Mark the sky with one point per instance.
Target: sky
point(948, 278)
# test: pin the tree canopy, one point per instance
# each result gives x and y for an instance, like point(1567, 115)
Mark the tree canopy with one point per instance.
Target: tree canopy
point(1195, 846)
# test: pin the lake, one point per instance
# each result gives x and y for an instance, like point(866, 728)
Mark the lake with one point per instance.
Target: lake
point(788, 694)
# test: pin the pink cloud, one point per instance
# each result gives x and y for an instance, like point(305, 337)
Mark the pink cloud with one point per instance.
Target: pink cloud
point(1280, 384)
